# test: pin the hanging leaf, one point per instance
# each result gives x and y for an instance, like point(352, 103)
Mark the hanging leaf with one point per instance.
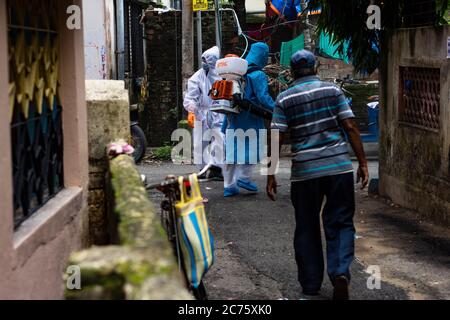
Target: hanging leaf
point(346, 21)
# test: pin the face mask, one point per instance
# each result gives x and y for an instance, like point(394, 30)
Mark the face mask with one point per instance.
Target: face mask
point(205, 67)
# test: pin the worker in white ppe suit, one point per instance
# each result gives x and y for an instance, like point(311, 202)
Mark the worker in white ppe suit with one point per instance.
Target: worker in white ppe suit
point(208, 155)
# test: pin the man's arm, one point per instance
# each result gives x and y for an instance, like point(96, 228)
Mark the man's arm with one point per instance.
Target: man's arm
point(280, 123)
point(271, 187)
point(354, 136)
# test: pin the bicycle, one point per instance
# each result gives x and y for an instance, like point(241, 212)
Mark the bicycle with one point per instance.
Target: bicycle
point(171, 190)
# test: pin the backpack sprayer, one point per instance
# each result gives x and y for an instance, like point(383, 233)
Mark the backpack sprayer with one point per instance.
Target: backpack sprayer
point(228, 94)
point(225, 92)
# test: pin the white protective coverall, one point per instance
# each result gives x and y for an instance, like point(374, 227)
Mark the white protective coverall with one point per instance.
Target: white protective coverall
point(198, 101)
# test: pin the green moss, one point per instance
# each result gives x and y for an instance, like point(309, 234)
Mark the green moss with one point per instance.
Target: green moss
point(161, 231)
point(136, 271)
point(139, 225)
point(113, 289)
point(119, 272)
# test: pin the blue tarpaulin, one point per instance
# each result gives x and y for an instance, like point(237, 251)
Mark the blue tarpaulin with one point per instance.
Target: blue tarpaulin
point(328, 48)
point(289, 48)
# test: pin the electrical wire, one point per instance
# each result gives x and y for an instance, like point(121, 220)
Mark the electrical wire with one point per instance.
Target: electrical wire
point(240, 32)
point(246, 45)
point(277, 24)
point(247, 37)
point(235, 18)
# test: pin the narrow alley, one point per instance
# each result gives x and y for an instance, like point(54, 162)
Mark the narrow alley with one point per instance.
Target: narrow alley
point(255, 255)
point(139, 137)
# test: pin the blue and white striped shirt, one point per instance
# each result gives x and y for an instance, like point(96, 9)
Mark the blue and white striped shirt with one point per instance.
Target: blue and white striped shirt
point(312, 110)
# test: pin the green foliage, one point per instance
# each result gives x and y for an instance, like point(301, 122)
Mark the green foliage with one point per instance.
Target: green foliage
point(443, 11)
point(174, 112)
point(183, 124)
point(162, 153)
point(346, 20)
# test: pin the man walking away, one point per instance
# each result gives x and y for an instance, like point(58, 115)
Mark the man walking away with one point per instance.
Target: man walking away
point(317, 115)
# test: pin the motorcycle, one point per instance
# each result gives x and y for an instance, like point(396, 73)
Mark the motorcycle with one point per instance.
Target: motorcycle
point(373, 108)
point(138, 140)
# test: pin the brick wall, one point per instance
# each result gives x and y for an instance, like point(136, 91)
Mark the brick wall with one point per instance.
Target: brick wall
point(161, 111)
point(330, 69)
point(160, 114)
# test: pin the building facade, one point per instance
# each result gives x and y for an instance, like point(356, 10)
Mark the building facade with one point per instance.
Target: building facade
point(44, 159)
point(415, 121)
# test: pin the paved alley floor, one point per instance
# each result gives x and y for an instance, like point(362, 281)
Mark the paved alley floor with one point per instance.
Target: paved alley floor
point(255, 255)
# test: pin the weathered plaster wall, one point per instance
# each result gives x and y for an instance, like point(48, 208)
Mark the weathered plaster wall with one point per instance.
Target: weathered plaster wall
point(99, 39)
point(108, 120)
point(414, 163)
point(41, 249)
point(33, 257)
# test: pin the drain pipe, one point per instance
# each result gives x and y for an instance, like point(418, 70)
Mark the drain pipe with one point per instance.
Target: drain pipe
point(218, 24)
point(120, 36)
point(199, 39)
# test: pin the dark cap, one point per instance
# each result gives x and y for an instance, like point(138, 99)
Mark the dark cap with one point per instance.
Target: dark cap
point(303, 59)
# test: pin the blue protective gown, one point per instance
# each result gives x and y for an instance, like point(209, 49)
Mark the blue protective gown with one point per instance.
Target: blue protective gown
point(257, 92)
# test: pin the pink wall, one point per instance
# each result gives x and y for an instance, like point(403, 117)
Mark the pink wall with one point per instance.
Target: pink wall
point(33, 257)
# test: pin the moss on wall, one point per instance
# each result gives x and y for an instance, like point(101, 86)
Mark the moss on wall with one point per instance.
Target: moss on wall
point(142, 265)
point(138, 224)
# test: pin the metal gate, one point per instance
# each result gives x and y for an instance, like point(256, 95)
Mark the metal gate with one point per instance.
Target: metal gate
point(134, 47)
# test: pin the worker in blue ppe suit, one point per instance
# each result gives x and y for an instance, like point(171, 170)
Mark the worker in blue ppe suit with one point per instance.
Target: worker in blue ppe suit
point(208, 153)
point(243, 153)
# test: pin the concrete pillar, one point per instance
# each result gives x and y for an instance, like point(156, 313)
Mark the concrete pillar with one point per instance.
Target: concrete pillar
point(187, 41)
point(108, 120)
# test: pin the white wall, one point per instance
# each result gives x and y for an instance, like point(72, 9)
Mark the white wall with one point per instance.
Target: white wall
point(111, 35)
point(99, 39)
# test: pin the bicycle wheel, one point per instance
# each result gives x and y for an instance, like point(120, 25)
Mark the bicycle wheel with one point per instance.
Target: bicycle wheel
point(200, 293)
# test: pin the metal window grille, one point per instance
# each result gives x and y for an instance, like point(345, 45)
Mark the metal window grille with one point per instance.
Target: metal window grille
point(420, 97)
point(35, 110)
